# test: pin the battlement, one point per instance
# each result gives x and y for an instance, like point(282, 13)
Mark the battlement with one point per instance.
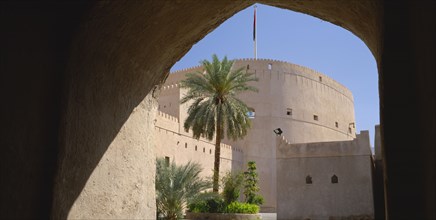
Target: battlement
point(171, 86)
point(358, 146)
point(162, 115)
point(261, 68)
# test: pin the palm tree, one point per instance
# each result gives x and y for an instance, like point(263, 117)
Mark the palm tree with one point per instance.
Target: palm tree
point(215, 107)
point(176, 186)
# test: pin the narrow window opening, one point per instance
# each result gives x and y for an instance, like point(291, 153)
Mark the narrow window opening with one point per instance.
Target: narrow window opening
point(289, 111)
point(349, 130)
point(269, 66)
point(308, 179)
point(335, 179)
point(195, 147)
point(320, 79)
point(337, 124)
point(167, 161)
point(251, 113)
point(204, 150)
point(315, 117)
point(186, 145)
point(248, 67)
point(210, 151)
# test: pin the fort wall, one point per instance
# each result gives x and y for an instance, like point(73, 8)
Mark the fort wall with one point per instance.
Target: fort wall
point(179, 146)
point(325, 180)
point(306, 105)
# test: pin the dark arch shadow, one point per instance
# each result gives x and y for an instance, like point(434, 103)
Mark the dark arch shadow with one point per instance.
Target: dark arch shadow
point(121, 49)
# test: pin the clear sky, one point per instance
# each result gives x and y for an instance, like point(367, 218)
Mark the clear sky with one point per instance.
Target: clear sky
point(301, 39)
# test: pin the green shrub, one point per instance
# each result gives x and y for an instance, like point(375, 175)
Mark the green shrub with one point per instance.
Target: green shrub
point(198, 207)
point(208, 202)
point(176, 186)
point(244, 208)
point(216, 205)
point(232, 183)
point(251, 187)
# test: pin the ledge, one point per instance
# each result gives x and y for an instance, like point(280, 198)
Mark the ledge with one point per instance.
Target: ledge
point(222, 216)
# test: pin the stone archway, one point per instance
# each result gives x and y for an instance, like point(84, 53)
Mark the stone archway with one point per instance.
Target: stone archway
point(109, 56)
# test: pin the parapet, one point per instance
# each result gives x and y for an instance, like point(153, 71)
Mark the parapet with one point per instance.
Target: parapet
point(165, 116)
point(356, 147)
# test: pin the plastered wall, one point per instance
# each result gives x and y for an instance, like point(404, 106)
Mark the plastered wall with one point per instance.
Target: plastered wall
point(282, 87)
point(350, 161)
point(179, 146)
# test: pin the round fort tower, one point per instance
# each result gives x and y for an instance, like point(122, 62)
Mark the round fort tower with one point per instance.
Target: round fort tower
point(306, 105)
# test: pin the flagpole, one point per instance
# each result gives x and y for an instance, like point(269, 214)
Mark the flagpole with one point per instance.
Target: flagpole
point(255, 33)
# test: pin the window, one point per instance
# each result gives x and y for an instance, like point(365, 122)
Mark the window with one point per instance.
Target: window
point(334, 179)
point(186, 145)
point(289, 111)
point(248, 67)
point(349, 130)
point(308, 179)
point(195, 147)
point(167, 161)
point(337, 124)
point(320, 79)
point(315, 117)
point(204, 149)
point(269, 66)
point(210, 151)
point(251, 113)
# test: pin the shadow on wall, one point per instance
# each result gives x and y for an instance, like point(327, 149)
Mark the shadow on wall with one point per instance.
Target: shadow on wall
point(121, 51)
point(106, 80)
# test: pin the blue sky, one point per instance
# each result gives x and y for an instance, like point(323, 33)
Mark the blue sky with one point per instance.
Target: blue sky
point(301, 39)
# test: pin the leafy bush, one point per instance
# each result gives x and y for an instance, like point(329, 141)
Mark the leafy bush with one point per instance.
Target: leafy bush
point(251, 185)
point(244, 208)
point(198, 207)
point(207, 202)
point(232, 183)
point(177, 185)
point(216, 205)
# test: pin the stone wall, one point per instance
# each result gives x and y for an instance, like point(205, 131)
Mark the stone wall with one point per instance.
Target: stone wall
point(282, 87)
point(179, 146)
point(306, 188)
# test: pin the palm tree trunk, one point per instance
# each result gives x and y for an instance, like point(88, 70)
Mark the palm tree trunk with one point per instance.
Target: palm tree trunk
point(216, 164)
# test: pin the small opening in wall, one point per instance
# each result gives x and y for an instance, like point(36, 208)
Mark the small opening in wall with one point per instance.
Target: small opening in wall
point(167, 161)
point(349, 130)
point(269, 66)
point(320, 78)
point(204, 150)
point(308, 179)
point(210, 151)
point(337, 124)
point(289, 111)
point(335, 179)
point(315, 117)
point(251, 113)
point(186, 145)
point(248, 67)
point(165, 106)
point(195, 147)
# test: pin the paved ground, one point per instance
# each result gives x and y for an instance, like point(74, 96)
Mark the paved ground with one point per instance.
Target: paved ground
point(268, 216)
